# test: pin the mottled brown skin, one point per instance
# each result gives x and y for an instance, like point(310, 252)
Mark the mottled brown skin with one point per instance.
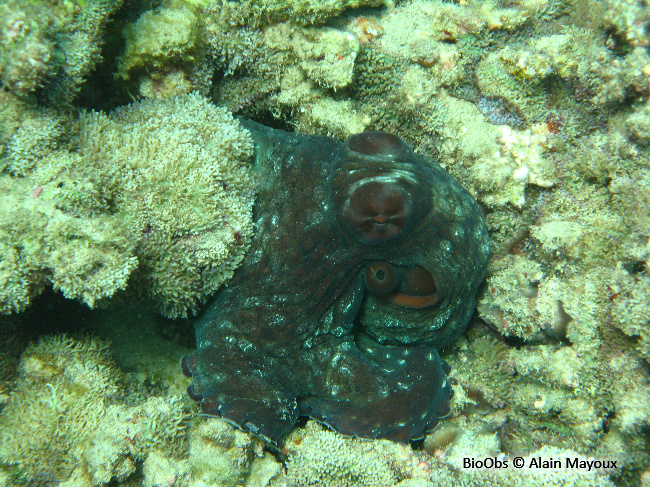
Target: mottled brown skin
point(365, 257)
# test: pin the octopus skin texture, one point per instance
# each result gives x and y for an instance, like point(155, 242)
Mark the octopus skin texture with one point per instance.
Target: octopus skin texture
point(366, 258)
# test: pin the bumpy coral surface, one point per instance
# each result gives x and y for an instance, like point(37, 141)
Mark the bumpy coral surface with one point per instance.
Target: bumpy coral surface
point(50, 47)
point(64, 420)
point(355, 462)
point(160, 186)
point(182, 184)
point(44, 243)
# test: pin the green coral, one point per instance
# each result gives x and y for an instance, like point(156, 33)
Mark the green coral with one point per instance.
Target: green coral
point(86, 258)
point(259, 13)
point(290, 70)
point(158, 38)
point(165, 53)
point(27, 133)
point(491, 381)
point(186, 194)
point(90, 210)
point(631, 309)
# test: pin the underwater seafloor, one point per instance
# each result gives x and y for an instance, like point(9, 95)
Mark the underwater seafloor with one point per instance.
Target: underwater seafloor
point(115, 123)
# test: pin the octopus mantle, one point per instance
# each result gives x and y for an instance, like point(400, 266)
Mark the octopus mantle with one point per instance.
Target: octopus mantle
point(366, 258)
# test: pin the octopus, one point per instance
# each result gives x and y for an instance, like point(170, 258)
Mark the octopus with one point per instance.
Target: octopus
point(365, 261)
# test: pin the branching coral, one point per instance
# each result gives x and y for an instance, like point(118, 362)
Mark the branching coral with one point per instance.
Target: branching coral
point(27, 133)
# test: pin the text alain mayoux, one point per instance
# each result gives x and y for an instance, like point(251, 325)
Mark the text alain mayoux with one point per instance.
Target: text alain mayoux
point(573, 463)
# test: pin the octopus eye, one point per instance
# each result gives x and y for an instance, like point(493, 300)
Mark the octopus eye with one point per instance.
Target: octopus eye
point(378, 211)
point(382, 144)
point(381, 278)
point(418, 282)
point(417, 290)
point(407, 287)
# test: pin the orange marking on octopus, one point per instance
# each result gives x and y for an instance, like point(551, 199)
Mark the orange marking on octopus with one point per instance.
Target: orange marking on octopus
point(409, 301)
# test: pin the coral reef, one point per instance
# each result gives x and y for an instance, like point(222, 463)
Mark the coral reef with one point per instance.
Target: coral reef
point(353, 462)
point(74, 418)
point(183, 187)
point(87, 258)
point(50, 47)
point(257, 13)
point(289, 69)
point(631, 309)
point(165, 54)
point(218, 455)
point(64, 421)
point(27, 133)
point(163, 187)
point(539, 107)
point(628, 19)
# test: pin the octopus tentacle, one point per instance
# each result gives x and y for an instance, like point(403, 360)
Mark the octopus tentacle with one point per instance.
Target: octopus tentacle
point(400, 391)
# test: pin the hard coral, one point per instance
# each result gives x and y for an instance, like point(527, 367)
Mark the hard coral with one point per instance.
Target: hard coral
point(86, 257)
point(631, 309)
point(289, 69)
point(27, 133)
point(259, 13)
point(350, 463)
point(165, 53)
